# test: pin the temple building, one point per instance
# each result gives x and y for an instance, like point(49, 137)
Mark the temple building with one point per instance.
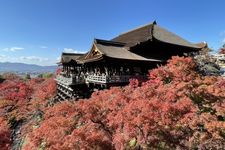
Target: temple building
point(114, 62)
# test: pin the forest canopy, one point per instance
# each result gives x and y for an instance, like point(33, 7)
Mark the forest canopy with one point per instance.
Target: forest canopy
point(177, 108)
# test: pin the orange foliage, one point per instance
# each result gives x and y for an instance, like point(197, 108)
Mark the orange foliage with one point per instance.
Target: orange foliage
point(18, 102)
point(175, 108)
point(5, 141)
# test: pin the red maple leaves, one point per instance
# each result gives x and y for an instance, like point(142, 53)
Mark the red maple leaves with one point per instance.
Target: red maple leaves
point(175, 109)
point(5, 139)
point(19, 100)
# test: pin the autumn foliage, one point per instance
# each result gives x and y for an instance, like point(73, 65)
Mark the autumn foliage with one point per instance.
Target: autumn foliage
point(175, 109)
point(222, 51)
point(19, 101)
point(5, 139)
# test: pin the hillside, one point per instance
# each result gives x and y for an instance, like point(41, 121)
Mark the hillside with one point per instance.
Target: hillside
point(25, 68)
point(177, 108)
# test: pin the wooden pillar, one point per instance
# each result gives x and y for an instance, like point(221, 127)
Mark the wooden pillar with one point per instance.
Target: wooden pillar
point(106, 71)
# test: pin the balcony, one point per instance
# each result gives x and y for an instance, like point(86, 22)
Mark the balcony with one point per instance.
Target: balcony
point(108, 79)
point(119, 79)
point(71, 80)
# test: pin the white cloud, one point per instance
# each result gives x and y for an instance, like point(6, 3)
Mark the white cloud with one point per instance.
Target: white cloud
point(2, 56)
point(33, 58)
point(43, 47)
point(28, 59)
point(13, 49)
point(69, 50)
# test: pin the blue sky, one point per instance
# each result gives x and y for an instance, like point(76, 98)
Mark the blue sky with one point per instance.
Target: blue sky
point(37, 31)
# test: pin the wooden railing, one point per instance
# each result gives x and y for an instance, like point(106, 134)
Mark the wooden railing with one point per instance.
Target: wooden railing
point(120, 79)
point(75, 80)
point(72, 80)
point(96, 78)
point(108, 79)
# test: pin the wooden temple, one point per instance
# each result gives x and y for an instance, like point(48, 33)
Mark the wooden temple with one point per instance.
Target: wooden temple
point(114, 62)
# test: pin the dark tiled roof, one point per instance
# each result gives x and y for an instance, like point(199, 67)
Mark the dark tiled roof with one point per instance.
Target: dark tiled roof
point(166, 36)
point(135, 36)
point(202, 44)
point(107, 42)
point(116, 51)
point(68, 57)
point(79, 59)
point(150, 32)
point(118, 47)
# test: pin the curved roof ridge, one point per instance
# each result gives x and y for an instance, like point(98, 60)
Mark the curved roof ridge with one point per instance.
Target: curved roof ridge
point(108, 42)
point(69, 53)
point(135, 29)
point(121, 53)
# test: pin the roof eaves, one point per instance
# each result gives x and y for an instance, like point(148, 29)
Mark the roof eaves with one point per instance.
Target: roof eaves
point(156, 35)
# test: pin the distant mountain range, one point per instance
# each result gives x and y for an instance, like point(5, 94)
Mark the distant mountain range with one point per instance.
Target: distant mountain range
point(25, 68)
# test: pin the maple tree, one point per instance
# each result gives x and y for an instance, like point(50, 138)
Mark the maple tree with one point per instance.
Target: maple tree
point(175, 108)
point(19, 101)
point(222, 51)
point(5, 140)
